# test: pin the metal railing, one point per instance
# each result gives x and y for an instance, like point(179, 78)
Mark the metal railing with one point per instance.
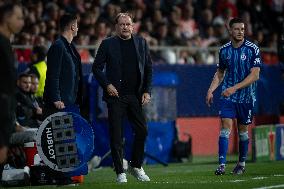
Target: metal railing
point(175, 49)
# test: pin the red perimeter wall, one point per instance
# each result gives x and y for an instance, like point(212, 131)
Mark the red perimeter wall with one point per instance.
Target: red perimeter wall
point(205, 132)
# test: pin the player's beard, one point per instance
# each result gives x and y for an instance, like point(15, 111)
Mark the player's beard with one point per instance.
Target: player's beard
point(238, 39)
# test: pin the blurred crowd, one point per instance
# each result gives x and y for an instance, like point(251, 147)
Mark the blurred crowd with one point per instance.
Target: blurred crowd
point(188, 23)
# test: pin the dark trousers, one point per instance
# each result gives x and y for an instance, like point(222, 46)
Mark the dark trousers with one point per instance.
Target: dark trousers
point(126, 105)
point(1, 172)
point(7, 118)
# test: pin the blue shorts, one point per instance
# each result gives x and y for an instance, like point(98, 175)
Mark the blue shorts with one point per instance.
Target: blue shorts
point(243, 112)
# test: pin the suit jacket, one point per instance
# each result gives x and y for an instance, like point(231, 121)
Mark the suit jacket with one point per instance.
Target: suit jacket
point(64, 74)
point(109, 57)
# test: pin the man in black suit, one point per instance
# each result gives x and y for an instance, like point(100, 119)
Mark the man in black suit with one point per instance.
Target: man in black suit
point(63, 83)
point(126, 83)
point(11, 22)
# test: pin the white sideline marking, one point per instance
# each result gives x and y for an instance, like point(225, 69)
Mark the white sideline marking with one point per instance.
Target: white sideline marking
point(268, 187)
point(237, 180)
point(175, 171)
point(220, 181)
point(177, 182)
point(259, 178)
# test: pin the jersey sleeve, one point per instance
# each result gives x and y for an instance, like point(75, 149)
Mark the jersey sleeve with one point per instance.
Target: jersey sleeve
point(256, 59)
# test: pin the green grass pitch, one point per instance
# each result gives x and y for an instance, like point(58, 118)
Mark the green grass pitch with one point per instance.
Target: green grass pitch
point(199, 174)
